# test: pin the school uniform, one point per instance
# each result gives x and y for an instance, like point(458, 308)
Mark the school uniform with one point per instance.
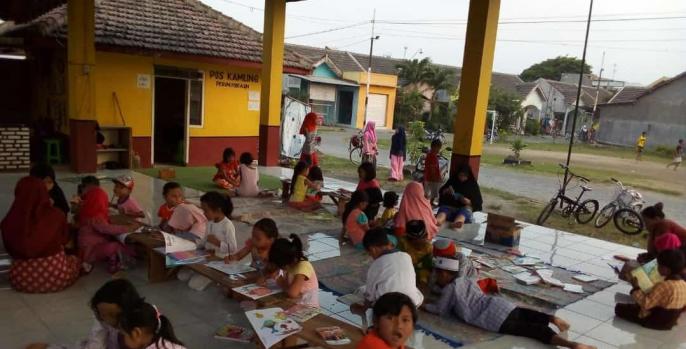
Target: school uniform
point(392, 272)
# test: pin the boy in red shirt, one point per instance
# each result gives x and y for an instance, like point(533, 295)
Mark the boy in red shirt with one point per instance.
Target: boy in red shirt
point(432, 172)
point(394, 319)
point(173, 196)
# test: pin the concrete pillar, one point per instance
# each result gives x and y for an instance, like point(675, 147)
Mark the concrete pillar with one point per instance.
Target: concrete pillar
point(272, 71)
point(479, 48)
point(81, 83)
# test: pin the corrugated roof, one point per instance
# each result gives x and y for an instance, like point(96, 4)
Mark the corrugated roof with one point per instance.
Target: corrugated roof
point(178, 26)
point(324, 80)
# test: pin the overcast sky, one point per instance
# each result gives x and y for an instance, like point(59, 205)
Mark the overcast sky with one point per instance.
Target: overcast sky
point(636, 49)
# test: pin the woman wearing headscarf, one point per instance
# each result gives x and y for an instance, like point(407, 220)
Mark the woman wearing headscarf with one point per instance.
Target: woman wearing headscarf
point(398, 154)
point(659, 230)
point(309, 130)
point(369, 147)
point(34, 234)
point(415, 206)
point(459, 197)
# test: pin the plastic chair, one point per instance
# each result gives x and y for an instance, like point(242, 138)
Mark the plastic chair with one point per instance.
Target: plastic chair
point(53, 151)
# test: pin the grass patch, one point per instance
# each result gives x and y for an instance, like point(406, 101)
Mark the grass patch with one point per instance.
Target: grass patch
point(200, 178)
point(595, 149)
point(383, 143)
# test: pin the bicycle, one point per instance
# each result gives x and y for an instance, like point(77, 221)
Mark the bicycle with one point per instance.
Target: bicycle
point(356, 150)
point(624, 210)
point(443, 164)
point(581, 211)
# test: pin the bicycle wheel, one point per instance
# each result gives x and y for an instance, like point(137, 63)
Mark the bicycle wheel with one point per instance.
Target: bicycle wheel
point(605, 215)
point(586, 211)
point(547, 210)
point(356, 156)
point(628, 221)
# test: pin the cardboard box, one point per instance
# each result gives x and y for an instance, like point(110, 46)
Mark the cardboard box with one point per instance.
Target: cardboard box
point(502, 230)
point(167, 173)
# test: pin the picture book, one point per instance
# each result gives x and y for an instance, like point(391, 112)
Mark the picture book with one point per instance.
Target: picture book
point(584, 278)
point(513, 269)
point(231, 268)
point(255, 292)
point(647, 275)
point(524, 261)
point(333, 335)
point(235, 333)
point(189, 257)
point(526, 278)
point(573, 288)
point(302, 313)
point(174, 243)
point(547, 277)
point(271, 325)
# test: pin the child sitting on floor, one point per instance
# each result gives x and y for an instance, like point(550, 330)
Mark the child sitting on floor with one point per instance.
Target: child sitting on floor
point(108, 302)
point(461, 297)
point(390, 201)
point(299, 186)
point(264, 233)
point(249, 177)
point(227, 171)
point(188, 221)
point(661, 307)
point(419, 248)
point(317, 179)
point(144, 327)
point(391, 271)
point(173, 196)
point(355, 222)
point(220, 239)
point(394, 318)
point(455, 209)
point(298, 279)
point(126, 203)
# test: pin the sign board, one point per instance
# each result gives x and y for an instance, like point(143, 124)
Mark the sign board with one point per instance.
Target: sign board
point(143, 81)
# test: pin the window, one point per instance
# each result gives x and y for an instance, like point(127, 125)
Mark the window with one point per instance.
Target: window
point(195, 103)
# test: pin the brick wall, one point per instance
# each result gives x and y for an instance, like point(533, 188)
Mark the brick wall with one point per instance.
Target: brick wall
point(14, 148)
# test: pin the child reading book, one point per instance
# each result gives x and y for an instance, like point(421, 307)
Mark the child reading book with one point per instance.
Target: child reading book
point(390, 201)
point(415, 244)
point(144, 327)
point(249, 177)
point(173, 196)
point(107, 304)
point(462, 298)
point(264, 233)
point(126, 203)
point(299, 186)
point(355, 222)
point(660, 307)
point(298, 279)
point(227, 171)
point(394, 318)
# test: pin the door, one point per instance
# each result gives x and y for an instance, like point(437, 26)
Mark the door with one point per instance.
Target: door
point(345, 107)
point(377, 109)
point(170, 121)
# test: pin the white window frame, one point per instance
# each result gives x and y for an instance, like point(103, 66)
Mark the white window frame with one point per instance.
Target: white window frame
point(202, 102)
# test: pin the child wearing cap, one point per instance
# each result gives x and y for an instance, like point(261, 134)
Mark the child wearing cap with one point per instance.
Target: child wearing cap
point(126, 204)
point(416, 244)
point(461, 297)
point(447, 248)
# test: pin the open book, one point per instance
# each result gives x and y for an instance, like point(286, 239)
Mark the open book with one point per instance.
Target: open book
point(647, 275)
point(174, 243)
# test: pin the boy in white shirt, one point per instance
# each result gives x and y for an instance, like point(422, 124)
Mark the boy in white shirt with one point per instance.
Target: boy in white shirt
point(391, 271)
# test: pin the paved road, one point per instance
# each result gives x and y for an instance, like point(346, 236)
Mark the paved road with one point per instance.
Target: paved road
point(537, 187)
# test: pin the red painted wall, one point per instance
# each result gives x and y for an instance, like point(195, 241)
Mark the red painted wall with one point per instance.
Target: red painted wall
point(142, 146)
point(207, 151)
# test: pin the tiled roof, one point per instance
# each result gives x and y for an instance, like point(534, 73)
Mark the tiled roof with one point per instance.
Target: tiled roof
point(627, 94)
point(178, 26)
point(525, 88)
point(383, 65)
point(587, 93)
point(506, 82)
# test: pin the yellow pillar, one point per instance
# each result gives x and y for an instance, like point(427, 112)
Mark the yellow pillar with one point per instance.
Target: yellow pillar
point(272, 72)
point(479, 48)
point(81, 84)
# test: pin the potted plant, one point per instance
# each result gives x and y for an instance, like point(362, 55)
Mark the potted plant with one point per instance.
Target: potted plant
point(516, 146)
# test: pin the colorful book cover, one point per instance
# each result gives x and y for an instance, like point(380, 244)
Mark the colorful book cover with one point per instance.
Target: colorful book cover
point(647, 275)
point(271, 325)
point(302, 313)
point(231, 268)
point(193, 255)
point(235, 333)
point(333, 335)
point(255, 292)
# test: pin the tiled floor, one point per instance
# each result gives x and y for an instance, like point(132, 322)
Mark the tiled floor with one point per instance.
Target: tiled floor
point(65, 317)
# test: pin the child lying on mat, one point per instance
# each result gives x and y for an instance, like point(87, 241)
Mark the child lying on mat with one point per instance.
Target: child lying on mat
point(461, 297)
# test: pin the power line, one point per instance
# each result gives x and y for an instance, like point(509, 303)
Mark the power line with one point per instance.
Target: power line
point(329, 30)
point(351, 44)
point(464, 22)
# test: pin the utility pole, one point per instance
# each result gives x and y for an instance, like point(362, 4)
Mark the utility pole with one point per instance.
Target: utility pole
point(369, 67)
point(405, 52)
point(597, 89)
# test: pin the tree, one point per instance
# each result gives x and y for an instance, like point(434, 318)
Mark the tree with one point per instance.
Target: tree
point(507, 105)
point(408, 106)
point(413, 72)
point(439, 78)
point(553, 68)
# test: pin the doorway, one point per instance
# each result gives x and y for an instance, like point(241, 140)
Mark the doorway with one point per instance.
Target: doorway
point(345, 107)
point(170, 121)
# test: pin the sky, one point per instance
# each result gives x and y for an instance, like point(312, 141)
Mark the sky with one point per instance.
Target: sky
point(642, 40)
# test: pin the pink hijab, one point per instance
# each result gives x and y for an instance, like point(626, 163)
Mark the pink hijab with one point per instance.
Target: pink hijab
point(370, 131)
point(415, 206)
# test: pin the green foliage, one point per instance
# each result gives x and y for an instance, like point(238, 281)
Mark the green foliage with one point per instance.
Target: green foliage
point(507, 105)
point(408, 106)
point(553, 68)
point(533, 127)
point(667, 152)
point(517, 146)
point(415, 130)
point(413, 72)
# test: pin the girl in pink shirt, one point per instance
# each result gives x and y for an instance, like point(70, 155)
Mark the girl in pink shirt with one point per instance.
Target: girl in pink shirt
point(249, 176)
point(298, 279)
point(188, 218)
point(355, 221)
point(126, 204)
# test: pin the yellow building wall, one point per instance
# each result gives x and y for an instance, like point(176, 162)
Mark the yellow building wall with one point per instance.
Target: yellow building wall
point(380, 84)
point(225, 109)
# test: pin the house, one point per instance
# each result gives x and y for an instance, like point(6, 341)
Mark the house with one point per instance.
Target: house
point(659, 110)
point(184, 77)
point(338, 85)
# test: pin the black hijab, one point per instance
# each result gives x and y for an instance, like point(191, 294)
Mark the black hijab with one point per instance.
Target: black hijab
point(469, 188)
point(398, 142)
